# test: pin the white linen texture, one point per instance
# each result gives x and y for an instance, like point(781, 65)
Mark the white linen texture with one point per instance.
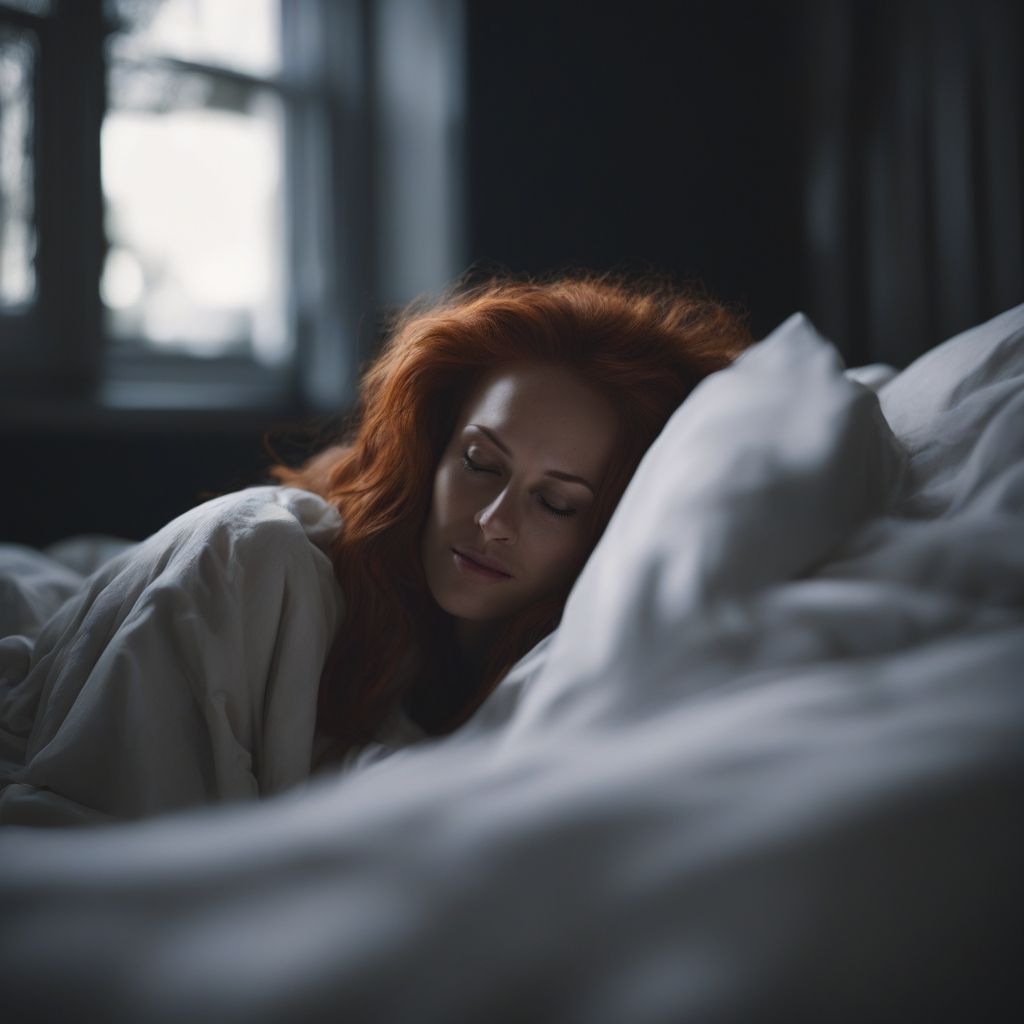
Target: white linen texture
point(768, 767)
point(183, 671)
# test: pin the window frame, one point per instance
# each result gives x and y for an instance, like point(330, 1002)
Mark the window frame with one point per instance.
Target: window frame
point(59, 349)
point(353, 226)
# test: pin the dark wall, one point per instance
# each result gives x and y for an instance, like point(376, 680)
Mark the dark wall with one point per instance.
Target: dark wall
point(126, 478)
point(641, 135)
point(860, 160)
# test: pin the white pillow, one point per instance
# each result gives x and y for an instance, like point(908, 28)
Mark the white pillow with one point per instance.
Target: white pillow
point(943, 377)
point(958, 411)
point(763, 470)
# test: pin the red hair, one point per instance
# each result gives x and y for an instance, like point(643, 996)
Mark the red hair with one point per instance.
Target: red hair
point(646, 346)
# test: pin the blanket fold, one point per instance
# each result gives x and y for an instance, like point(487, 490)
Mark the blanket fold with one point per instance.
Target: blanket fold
point(183, 671)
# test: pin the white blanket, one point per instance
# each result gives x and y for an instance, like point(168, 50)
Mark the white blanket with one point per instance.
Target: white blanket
point(183, 671)
point(769, 767)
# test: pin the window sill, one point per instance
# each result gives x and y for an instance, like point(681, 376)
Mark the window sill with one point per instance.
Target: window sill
point(222, 397)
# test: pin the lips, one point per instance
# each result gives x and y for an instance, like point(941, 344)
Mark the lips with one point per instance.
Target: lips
point(467, 558)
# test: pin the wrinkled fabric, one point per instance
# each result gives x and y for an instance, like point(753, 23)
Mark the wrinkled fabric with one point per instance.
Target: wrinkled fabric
point(182, 671)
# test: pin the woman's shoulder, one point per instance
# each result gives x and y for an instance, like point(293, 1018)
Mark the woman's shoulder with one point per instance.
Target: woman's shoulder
point(254, 543)
point(272, 512)
point(249, 543)
point(209, 636)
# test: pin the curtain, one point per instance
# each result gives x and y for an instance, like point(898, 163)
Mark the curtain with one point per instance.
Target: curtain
point(913, 224)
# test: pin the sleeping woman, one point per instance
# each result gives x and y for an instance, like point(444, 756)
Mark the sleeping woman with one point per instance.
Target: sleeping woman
point(385, 587)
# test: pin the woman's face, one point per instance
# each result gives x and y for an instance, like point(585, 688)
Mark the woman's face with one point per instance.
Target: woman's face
point(513, 502)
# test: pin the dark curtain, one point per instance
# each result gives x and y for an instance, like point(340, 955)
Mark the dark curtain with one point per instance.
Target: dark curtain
point(913, 213)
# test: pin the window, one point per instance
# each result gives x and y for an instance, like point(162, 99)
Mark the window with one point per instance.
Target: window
point(191, 152)
point(18, 59)
point(201, 200)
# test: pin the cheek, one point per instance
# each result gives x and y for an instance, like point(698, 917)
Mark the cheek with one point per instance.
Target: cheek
point(442, 506)
point(445, 503)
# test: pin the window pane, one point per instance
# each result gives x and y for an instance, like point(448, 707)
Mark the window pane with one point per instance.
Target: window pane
point(240, 34)
point(17, 229)
point(192, 182)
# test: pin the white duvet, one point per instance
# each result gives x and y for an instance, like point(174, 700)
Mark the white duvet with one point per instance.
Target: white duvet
point(184, 670)
point(769, 767)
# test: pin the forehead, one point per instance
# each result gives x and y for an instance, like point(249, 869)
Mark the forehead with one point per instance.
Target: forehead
point(546, 413)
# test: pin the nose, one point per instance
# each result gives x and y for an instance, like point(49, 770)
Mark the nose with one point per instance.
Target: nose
point(497, 520)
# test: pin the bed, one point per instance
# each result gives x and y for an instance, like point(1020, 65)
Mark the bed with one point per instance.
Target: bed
point(769, 767)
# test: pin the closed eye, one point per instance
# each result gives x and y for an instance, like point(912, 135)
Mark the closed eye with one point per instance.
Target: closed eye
point(475, 467)
point(555, 510)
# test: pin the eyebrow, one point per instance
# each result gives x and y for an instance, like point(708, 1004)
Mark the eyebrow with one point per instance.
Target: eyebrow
point(557, 474)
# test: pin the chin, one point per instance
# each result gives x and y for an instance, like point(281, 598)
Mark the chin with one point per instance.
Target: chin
point(463, 606)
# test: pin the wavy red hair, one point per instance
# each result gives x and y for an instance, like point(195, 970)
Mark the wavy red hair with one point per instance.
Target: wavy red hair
point(646, 346)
